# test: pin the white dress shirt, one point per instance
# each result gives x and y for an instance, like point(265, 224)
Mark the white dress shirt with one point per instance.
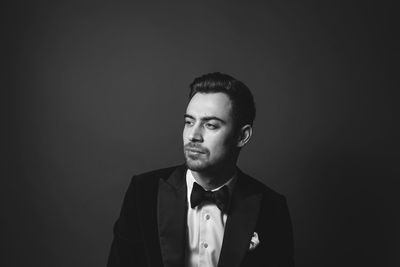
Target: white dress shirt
point(206, 226)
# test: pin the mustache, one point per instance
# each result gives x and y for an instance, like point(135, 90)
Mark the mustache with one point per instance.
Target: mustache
point(196, 147)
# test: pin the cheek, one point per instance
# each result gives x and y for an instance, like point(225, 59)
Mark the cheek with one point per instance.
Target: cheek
point(184, 134)
point(220, 145)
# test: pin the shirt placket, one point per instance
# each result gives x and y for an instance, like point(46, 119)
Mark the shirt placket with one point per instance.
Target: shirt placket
point(204, 238)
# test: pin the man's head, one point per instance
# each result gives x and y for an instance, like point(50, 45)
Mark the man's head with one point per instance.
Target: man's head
point(218, 122)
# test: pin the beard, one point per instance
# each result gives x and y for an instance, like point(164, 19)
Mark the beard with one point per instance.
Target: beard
point(203, 163)
point(196, 163)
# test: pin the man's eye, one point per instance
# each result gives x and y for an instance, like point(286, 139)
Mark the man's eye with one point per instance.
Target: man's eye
point(211, 126)
point(188, 123)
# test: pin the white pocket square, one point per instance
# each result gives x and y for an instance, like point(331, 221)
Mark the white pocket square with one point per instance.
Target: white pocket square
point(255, 241)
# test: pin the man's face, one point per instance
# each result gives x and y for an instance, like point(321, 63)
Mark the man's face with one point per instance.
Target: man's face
point(208, 135)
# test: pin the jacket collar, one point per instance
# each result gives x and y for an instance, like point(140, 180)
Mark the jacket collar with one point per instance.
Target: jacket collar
point(172, 209)
point(241, 222)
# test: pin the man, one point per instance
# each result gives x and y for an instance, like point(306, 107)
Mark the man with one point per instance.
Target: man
point(206, 212)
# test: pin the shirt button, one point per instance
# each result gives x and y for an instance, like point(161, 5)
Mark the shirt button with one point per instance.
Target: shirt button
point(207, 217)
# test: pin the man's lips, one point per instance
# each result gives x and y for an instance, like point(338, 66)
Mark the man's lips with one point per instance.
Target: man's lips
point(193, 150)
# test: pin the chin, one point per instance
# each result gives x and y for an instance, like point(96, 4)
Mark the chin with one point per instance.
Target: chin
point(197, 166)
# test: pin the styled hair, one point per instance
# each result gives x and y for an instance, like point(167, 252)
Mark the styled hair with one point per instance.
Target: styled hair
point(243, 106)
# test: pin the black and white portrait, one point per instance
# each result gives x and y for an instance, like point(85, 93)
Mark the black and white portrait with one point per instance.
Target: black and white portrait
point(216, 133)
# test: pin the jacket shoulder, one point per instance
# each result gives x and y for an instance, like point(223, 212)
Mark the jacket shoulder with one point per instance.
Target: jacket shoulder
point(257, 186)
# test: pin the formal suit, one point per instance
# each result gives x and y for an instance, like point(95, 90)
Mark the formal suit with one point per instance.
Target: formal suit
point(151, 228)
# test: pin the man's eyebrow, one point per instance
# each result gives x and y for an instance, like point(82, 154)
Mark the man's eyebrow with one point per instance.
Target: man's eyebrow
point(188, 116)
point(207, 118)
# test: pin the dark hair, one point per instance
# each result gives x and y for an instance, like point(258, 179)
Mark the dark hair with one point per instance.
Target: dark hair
point(244, 110)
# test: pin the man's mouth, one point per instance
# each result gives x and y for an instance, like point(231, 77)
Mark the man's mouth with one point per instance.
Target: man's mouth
point(196, 151)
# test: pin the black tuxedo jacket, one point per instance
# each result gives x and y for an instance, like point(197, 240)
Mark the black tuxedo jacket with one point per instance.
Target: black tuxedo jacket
point(151, 228)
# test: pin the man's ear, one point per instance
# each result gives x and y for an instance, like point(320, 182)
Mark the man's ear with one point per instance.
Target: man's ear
point(244, 135)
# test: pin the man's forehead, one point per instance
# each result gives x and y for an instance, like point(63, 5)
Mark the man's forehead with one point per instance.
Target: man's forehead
point(210, 104)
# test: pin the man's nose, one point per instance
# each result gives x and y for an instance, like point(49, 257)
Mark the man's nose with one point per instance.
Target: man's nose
point(196, 134)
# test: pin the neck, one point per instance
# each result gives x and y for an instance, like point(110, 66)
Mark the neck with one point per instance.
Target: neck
point(213, 179)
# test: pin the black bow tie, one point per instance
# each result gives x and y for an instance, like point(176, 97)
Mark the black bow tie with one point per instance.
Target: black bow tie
point(219, 197)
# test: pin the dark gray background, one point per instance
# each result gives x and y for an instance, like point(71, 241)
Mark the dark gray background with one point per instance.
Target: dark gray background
point(94, 93)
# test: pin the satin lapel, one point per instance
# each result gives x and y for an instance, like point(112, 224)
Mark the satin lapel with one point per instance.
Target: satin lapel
point(172, 209)
point(245, 206)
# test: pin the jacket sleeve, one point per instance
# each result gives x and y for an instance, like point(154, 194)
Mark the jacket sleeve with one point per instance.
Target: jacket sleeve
point(127, 248)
